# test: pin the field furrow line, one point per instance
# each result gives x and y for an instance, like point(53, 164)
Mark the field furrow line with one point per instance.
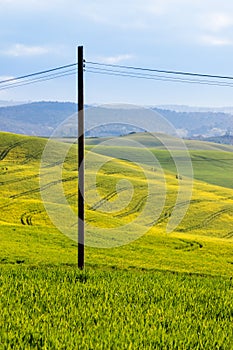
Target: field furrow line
point(26, 218)
point(170, 209)
point(135, 209)
point(189, 245)
point(208, 220)
point(106, 198)
point(5, 152)
point(228, 235)
point(42, 188)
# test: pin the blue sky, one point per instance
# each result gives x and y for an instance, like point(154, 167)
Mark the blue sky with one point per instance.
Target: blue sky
point(187, 35)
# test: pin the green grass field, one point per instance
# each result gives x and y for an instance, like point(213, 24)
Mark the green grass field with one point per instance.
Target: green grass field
point(161, 291)
point(61, 308)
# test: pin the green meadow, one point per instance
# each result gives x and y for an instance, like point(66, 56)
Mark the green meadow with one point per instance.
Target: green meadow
point(147, 288)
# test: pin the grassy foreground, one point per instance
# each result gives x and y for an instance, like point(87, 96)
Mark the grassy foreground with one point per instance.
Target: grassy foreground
point(61, 308)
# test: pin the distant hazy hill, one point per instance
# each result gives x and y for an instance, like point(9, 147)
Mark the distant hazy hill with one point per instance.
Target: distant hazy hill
point(225, 139)
point(206, 124)
point(41, 118)
point(37, 118)
point(184, 108)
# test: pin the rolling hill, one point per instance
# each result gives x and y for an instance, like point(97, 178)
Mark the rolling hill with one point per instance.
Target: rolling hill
point(202, 242)
point(212, 163)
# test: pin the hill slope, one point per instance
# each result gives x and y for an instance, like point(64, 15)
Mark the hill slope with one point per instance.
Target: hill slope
point(201, 243)
point(212, 163)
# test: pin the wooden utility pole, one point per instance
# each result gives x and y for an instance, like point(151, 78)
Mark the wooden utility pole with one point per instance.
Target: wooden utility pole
point(81, 141)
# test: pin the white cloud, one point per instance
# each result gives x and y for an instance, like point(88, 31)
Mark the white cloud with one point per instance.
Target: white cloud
point(216, 22)
point(25, 7)
point(18, 4)
point(152, 7)
point(122, 13)
point(18, 50)
point(215, 41)
point(29, 3)
point(115, 59)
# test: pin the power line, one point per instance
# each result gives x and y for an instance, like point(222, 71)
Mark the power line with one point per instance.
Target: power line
point(110, 73)
point(37, 80)
point(125, 71)
point(38, 73)
point(161, 71)
point(155, 77)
